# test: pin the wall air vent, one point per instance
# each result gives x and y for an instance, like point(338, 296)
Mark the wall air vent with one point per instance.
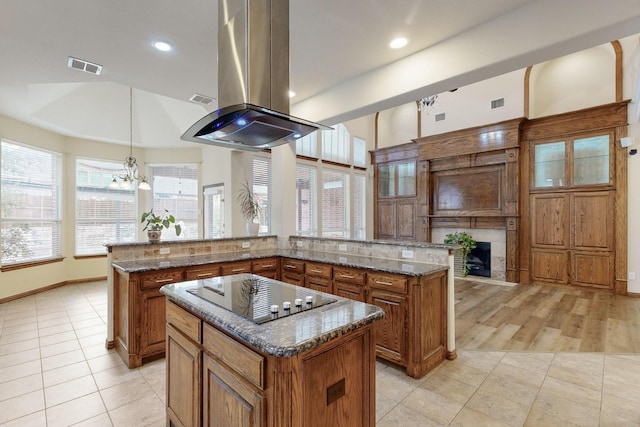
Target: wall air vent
point(497, 103)
point(440, 117)
point(201, 99)
point(82, 65)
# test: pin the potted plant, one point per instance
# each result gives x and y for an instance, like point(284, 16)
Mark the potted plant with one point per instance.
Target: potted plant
point(156, 223)
point(250, 208)
point(466, 241)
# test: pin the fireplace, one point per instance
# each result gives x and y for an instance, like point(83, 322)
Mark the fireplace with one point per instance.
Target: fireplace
point(479, 260)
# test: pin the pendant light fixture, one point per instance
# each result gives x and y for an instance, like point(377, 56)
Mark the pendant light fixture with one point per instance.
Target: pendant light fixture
point(130, 164)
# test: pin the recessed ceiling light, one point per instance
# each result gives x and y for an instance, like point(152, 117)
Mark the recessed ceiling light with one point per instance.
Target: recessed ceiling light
point(162, 46)
point(291, 94)
point(398, 43)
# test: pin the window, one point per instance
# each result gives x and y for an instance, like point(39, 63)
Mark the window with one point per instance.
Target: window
point(334, 204)
point(31, 223)
point(359, 152)
point(214, 211)
point(308, 145)
point(175, 188)
point(262, 190)
point(306, 201)
point(336, 144)
point(103, 215)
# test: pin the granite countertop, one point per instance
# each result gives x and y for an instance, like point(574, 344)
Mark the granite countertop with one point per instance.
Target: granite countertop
point(283, 337)
point(345, 260)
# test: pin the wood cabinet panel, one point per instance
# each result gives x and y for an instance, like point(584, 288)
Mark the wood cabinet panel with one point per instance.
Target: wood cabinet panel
point(316, 269)
point(184, 373)
point(386, 219)
point(347, 290)
point(391, 332)
point(348, 275)
point(228, 401)
point(550, 220)
point(406, 219)
point(157, 279)
point(186, 322)
point(235, 268)
point(202, 272)
point(470, 191)
point(153, 334)
point(550, 266)
point(320, 284)
point(592, 269)
point(267, 267)
point(592, 225)
point(387, 282)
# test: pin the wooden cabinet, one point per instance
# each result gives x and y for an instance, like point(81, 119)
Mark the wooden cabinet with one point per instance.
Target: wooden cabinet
point(395, 198)
point(318, 277)
point(292, 271)
point(216, 380)
point(202, 272)
point(349, 283)
point(237, 267)
point(266, 267)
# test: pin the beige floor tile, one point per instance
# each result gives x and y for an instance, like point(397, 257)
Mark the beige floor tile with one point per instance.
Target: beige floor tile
point(58, 338)
point(53, 330)
point(532, 378)
point(389, 385)
point(88, 323)
point(63, 359)
point(89, 315)
point(471, 418)
point(617, 411)
point(36, 419)
point(19, 346)
point(573, 392)
point(540, 419)
point(69, 390)
point(19, 357)
point(463, 373)
point(508, 387)
point(102, 420)
point(92, 340)
point(483, 360)
point(559, 407)
point(20, 371)
point(11, 338)
point(20, 386)
point(158, 382)
point(585, 370)
point(60, 319)
point(449, 387)
point(125, 393)
point(495, 406)
point(7, 323)
point(536, 362)
point(432, 405)
point(21, 406)
point(59, 348)
point(383, 405)
point(65, 373)
point(403, 416)
point(18, 329)
point(116, 375)
point(75, 411)
point(107, 361)
point(92, 331)
point(149, 411)
point(96, 351)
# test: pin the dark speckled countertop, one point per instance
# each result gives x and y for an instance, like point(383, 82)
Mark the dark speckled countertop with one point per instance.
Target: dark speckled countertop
point(286, 336)
point(370, 263)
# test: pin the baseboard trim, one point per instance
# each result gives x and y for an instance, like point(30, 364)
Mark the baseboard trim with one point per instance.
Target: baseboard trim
point(452, 354)
point(50, 287)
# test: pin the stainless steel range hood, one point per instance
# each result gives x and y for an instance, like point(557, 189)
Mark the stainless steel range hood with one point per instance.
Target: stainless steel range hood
point(253, 79)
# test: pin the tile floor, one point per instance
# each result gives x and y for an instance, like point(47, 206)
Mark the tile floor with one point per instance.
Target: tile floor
point(55, 371)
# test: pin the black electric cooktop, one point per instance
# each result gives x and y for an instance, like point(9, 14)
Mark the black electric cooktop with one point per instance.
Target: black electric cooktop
point(257, 298)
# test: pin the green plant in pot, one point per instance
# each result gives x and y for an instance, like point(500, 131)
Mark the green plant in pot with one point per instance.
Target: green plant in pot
point(250, 208)
point(466, 241)
point(154, 224)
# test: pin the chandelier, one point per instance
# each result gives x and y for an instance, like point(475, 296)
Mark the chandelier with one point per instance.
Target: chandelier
point(427, 102)
point(130, 164)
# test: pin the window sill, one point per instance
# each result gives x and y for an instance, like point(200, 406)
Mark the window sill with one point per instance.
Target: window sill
point(28, 264)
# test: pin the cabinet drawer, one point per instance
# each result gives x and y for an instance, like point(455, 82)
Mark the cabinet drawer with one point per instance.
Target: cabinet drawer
point(236, 268)
point(248, 364)
point(387, 282)
point(184, 321)
point(159, 279)
point(349, 275)
point(267, 264)
point(318, 270)
point(204, 272)
point(292, 265)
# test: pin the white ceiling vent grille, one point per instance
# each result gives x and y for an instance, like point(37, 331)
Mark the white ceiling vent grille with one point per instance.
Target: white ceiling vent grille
point(440, 117)
point(201, 99)
point(86, 66)
point(497, 103)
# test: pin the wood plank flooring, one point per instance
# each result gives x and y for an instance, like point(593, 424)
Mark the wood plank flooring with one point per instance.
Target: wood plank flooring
point(544, 318)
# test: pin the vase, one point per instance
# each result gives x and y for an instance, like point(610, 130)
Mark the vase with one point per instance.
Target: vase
point(253, 228)
point(154, 235)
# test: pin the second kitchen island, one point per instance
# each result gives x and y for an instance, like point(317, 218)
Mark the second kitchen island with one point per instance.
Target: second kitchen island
point(313, 365)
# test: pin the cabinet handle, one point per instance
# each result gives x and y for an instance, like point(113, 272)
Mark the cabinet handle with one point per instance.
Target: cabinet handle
point(164, 280)
point(205, 275)
point(384, 283)
point(316, 271)
point(235, 270)
point(346, 276)
point(267, 266)
point(290, 266)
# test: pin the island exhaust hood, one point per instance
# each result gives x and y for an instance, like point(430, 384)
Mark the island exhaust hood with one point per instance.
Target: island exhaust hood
point(253, 80)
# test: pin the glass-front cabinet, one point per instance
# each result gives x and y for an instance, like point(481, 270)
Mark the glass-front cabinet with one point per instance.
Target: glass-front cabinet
point(396, 200)
point(573, 162)
point(397, 179)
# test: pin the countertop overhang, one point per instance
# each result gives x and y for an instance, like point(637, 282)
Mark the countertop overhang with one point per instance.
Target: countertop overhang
point(286, 336)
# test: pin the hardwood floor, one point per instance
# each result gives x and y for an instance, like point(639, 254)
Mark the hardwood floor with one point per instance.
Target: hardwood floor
point(544, 318)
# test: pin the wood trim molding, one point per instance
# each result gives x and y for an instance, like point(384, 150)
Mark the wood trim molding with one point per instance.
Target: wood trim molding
point(419, 119)
point(527, 90)
point(50, 287)
point(12, 267)
point(376, 129)
point(89, 256)
point(617, 49)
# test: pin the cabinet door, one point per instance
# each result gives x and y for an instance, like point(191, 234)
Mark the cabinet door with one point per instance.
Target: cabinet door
point(152, 339)
point(202, 272)
point(348, 290)
point(550, 220)
point(406, 220)
point(184, 371)
point(267, 267)
point(227, 400)
point(550, 266)
point(592, 227)
point(320, 284)
point(235, 268)
point(391, 331)
point(293, 271)
point(592, 269)
point(387, 220)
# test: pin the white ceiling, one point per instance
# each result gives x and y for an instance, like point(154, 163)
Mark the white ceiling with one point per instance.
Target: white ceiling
point(341, 67)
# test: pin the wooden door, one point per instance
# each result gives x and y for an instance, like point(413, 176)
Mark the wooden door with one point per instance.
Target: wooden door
point(153, 335)
point(184, 371)
point(387, 219)
point(406, 220)
point(550, 220)
point(592, 224)
point(227, 399)
point(391, 331)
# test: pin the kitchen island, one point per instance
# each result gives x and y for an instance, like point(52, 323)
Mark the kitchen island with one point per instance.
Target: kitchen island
point(234, 362)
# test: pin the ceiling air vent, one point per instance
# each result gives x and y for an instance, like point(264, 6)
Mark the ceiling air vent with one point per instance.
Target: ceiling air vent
point(497, 103)
point(201, 99)
point(440, 117)
point(82, 65)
